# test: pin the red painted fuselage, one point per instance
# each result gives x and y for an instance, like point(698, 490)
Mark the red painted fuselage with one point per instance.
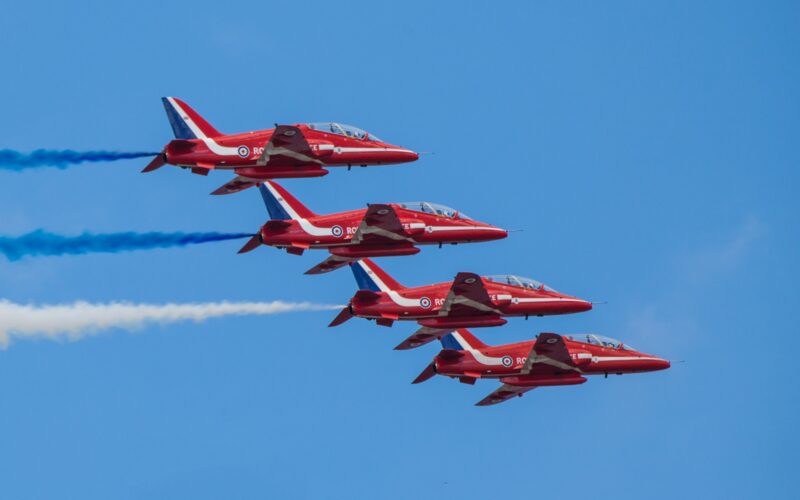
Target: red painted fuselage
point(377, 231)
point(300, 150)
point(548, 360)
point(241, 152)
point(467, 301)
point(507, 362)
point(335, 232)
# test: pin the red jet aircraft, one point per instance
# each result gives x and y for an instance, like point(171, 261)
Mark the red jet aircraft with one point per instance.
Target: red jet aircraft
point(548, 360)
point(468, 301)
point(380, 230)
point(284, 151)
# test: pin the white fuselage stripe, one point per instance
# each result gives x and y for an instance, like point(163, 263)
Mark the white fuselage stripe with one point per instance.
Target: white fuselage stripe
point(371, 150)
point(550, 299)
point(599, 359)
point(479, 356)
point(400, 300)
point(464, 228)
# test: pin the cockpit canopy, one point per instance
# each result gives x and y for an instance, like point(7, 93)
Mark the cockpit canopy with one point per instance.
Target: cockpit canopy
point(345, 130)
point(599, 340)
point(433, 208)
point(510, 279)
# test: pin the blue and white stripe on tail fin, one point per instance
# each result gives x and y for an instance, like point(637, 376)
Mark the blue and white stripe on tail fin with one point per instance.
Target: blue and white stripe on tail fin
point(371, 277)
point(461, 340)
point(187, 123)
point(280, 204)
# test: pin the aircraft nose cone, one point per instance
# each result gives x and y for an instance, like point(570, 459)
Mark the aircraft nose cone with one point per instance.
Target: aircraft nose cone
point(661, 364)
point(488, 232)
point(574, 305)
point(652, 364)
point(396, 154)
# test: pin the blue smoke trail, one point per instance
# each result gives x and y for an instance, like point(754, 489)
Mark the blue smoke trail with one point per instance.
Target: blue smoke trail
point(45, 243)
point(14, 160)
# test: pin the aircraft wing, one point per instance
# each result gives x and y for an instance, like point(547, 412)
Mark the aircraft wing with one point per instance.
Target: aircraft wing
point(380, 225)
point(549, 354)
point(422, 337)
point(330, 264)
point(288, 146)
point(239, 183)
point(503, 393)
point(468, 297)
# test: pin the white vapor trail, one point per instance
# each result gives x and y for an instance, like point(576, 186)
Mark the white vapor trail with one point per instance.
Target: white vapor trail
point(81, 319)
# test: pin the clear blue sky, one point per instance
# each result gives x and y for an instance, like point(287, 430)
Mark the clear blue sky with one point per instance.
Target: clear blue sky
point(649, 150)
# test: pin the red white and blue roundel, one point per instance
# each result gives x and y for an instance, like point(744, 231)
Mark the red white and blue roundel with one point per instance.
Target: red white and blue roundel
point(337, 231)
point(425, 302)
point(507, 361)
point(243, 151)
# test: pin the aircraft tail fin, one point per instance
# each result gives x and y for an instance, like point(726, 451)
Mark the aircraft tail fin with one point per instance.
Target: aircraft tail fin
point(187, 123)
point(461, 340)
point(280, 204)
point(371, 277)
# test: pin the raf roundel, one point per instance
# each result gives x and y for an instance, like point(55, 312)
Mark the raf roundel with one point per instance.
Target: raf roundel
point(425, 302)
point(507, 361)
point(243, 151)
point(337, 231)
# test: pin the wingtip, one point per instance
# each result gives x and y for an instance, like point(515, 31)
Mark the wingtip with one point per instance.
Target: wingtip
point(489, 401)
point(407, 346)
point(426, 374)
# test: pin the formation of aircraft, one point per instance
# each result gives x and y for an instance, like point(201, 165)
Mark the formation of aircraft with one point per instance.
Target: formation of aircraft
point(380, 230)
point(300, 150)
point(467, 301)
point(442, 311)
point(548, 360)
